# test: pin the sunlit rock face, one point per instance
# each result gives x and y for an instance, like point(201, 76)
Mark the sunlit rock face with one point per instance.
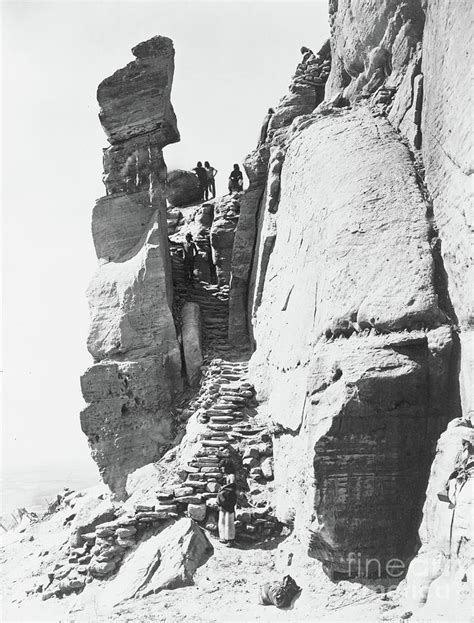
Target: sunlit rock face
point(263, 167)
point(353, 350)
point(424, 50)
point(132, 336)
point(352, 258)
point(373, 45)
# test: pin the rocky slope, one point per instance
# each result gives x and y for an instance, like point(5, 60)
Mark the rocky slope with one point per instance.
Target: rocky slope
point(341, 273)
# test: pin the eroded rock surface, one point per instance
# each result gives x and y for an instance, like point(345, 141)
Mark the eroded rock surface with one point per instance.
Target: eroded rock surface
point(182, 188)
point(439, 579)
point(371, 45)
point(306, 91)
point(136, 100)
point(191, 332)
point(351, 258)
point(133, 337)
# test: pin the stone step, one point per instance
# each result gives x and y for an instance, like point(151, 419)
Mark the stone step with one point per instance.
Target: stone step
point(195, 484)
point(216, 435)
point(219, 427)
point(210, 469)
point(212, 476)
point(222, 419)
point(237, 435)
point(216, 410)
point(232, 400)
point(206, 462)
point(247, 430)
point(208, 443)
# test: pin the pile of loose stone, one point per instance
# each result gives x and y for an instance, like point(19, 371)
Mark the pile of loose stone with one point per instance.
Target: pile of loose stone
point(103, 549)
point(314, 69)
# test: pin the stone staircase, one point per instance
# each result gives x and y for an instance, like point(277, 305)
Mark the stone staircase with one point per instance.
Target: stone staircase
point(222, 418)
point(224, 424)
point(213, 301)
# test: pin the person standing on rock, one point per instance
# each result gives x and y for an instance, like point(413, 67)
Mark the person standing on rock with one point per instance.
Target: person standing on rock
point(264, 130)
point(211, 182)
point(201, 173)
point(189, 252)
point(226, 500)
point(236, 180)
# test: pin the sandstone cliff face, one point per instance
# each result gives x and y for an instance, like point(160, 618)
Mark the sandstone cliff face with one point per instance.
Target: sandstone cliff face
point(132, 337)
point(444, 564)
point(357, 285)
point(424, 50)
point(351, 341)
point(448, 158)
point(263, 167)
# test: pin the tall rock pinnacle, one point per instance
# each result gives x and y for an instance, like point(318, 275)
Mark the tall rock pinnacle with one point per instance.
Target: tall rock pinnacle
point(132, 336)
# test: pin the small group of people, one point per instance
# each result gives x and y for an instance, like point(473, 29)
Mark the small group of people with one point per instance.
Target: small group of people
point(207, 183)
point(206, 176)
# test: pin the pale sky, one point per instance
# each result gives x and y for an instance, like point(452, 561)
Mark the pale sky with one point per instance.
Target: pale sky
point(233, 61)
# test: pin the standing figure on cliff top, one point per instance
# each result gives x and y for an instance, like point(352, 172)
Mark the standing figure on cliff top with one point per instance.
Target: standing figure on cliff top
point(236, 180)
point(211, 182)
point(226, 500)
point(264, 130)
point(189, 252)
point(201, 173)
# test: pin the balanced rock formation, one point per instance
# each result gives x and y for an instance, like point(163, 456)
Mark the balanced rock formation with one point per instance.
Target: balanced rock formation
point(132, 338)
point(182, 188)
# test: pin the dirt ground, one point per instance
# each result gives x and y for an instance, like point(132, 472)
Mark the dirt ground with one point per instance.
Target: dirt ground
point(225, 589)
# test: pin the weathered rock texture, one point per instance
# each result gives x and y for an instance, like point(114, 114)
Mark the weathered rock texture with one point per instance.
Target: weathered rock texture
point(182, 188)
point(132, 337)
point(351, 263)
point(441, 575)
point(306, 91)
point(372, 45)
point(424, 49)
point(352, 257)
point(191, 332)
point(164, 561)
point(448, 158)
point(226, 217)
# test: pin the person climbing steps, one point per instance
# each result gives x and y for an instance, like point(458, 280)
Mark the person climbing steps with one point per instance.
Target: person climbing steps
point(189, 255)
